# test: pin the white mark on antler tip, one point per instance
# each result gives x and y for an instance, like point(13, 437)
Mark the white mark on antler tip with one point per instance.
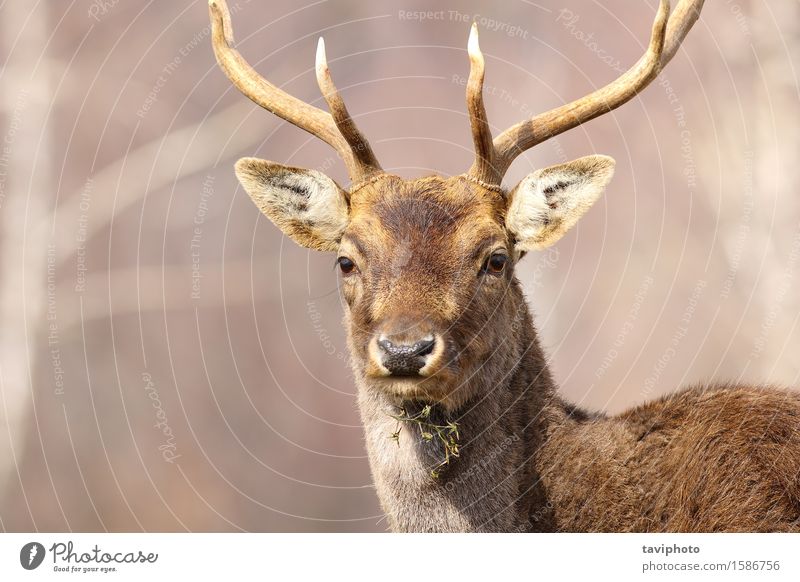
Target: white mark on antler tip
point(473, 48)
point(472, 44)
point(322, 60)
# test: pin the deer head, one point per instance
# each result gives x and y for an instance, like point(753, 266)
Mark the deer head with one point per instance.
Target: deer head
point(427, 265)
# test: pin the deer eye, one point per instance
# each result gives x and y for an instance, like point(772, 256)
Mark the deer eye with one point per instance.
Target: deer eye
point(347, 266)
point(496, 264)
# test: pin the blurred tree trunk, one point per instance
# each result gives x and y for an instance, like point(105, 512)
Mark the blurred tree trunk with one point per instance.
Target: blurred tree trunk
point(23, 201)
point(777, 180)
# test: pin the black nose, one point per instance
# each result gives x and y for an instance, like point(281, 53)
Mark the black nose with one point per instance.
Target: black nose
point(405, 359)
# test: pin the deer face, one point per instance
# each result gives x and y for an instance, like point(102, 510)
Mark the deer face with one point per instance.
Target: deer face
point(427, 265)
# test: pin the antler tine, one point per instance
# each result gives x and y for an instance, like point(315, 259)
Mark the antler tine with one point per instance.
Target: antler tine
point(681, 21)
point(313, 120)
point(667, 35)
point(347, 127)
point(483, 167)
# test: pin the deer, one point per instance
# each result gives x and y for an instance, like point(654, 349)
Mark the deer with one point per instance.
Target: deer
point(464, 426)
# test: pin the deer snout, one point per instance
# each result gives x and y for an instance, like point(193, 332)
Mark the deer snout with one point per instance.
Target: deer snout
point(405, 354)
point(405, 359)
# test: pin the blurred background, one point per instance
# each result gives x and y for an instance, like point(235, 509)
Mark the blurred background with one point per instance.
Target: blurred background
point(169, 361)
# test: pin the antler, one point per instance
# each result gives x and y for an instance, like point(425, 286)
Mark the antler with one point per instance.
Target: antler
point(336, 128)
point(481, 133)
point(492, 162)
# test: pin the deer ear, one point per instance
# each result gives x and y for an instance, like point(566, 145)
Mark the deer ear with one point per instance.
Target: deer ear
point(306, 205)
point(548, 202)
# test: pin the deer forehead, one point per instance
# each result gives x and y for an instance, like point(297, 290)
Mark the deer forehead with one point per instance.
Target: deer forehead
point(430, 215)
point(420, 241)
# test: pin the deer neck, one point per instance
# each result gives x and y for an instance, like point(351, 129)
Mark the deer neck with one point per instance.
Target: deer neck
point(493, 484)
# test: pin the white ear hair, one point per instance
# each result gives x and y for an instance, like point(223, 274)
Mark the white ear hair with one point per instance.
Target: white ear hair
point(306, 205)
point(548, 202)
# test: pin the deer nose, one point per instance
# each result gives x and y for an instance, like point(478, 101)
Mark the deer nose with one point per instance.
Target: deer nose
point(405, 359)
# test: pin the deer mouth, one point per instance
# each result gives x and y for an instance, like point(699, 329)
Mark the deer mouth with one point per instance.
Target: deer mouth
point(434, 389)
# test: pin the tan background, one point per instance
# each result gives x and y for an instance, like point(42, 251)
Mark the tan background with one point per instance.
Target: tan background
point(118, 129)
